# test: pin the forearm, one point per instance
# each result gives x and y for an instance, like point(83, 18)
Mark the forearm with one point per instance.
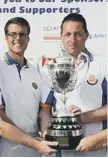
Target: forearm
point(15, 135)
point(101, 138)
point(4, 117)
point(94, 115)
point(10, 132)
point(45, 118)
point(29, 141)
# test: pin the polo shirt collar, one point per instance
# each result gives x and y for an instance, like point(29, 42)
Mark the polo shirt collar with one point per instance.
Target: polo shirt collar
point(90, 56)
point(11, 61)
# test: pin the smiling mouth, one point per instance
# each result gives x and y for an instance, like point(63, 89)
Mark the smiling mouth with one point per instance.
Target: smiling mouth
point(17, 44)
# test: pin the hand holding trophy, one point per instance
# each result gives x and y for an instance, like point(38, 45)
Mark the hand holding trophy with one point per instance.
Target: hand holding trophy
point(61, 76)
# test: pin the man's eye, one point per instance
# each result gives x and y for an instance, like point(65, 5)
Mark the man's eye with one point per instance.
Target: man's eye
point(12, 34)
point(68, 34)
point(15, 34)
point(78, 34)
point(22, 34)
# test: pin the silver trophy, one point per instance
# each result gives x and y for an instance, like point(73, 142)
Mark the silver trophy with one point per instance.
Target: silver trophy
point(61, 75)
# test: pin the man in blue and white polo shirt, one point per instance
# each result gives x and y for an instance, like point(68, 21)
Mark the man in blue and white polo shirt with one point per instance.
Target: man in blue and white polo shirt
point(20, 90)
point(91, 93)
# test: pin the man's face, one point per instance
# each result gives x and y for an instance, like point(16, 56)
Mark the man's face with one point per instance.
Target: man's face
point(73, 37)
point(17, 39)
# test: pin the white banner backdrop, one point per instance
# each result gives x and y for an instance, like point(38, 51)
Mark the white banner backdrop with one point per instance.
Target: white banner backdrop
point(45, 17)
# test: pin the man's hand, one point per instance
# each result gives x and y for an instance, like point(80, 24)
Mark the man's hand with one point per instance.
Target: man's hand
point(44, 147)
point(90, 143)
point(74, 109)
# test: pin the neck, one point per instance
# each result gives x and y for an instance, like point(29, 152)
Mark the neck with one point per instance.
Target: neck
point(75, 58)
point(16, 57)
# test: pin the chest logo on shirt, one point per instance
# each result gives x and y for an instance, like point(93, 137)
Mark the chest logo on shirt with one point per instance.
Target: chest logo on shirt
point(34, 85)
point(92, 80)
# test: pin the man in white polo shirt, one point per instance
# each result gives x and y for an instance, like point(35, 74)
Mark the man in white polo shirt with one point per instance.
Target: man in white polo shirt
point(91, 93)
point(20, 88)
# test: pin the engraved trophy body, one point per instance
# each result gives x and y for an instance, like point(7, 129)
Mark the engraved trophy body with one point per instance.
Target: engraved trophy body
point(64, 127)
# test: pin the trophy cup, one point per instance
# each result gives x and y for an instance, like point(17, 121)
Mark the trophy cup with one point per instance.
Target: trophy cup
point(64, 127)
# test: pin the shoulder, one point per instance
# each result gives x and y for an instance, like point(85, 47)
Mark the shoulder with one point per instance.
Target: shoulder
point(99, 59)
point(32, 66)
point(2, 62)
point(3, 65)
point(99, 62)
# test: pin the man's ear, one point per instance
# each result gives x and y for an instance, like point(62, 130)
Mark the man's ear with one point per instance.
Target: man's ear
point(86, 37)
point(6, 37)
point(28, 38)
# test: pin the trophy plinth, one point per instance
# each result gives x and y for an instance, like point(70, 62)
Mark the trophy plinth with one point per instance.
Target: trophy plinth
point(65, 130)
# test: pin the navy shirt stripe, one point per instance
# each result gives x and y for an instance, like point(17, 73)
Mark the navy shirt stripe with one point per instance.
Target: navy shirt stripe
point(51, 100)
point(104, 99)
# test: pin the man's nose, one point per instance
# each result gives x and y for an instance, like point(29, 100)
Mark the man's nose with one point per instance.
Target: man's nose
point(18, 36)
point(72, 37)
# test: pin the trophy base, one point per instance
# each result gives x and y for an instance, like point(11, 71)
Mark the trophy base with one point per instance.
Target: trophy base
point(65, 142)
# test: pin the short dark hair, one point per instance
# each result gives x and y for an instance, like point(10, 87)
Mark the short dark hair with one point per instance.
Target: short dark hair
point(17, 20)
point(75, 17)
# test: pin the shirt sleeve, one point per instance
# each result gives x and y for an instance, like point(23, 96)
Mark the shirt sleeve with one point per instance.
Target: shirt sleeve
point(46, 94)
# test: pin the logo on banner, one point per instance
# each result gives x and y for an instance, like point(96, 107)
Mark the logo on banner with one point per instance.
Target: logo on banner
point(51, 33)
point(97, 36)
